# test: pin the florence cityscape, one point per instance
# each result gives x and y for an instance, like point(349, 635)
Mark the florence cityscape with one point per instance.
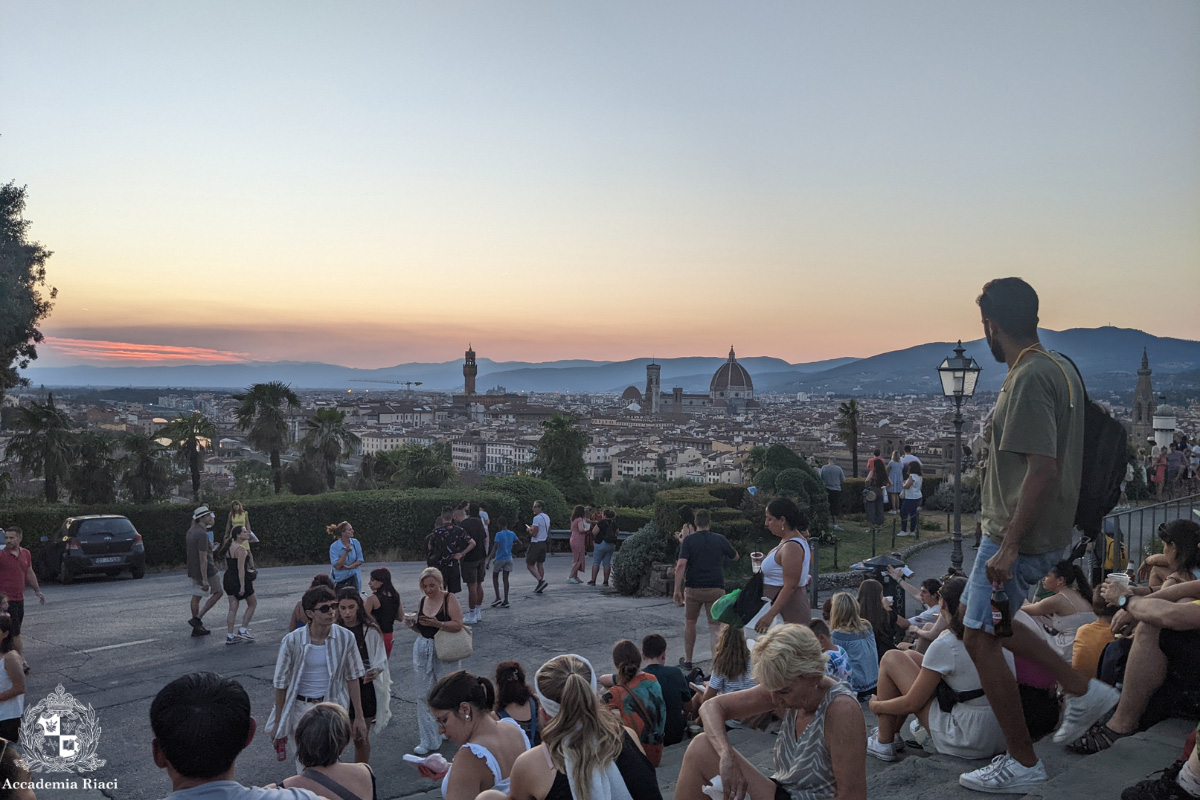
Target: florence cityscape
point(367, 275)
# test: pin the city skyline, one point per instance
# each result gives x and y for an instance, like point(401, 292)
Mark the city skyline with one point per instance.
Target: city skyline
point(383, 184)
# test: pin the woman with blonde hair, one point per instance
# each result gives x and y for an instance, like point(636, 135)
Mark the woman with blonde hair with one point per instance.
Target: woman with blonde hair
point(821, 749)
point(238, 515)
point(586, 753)
point(855, 635)
point(323, 733)
point(438, 610)
point(345, 556)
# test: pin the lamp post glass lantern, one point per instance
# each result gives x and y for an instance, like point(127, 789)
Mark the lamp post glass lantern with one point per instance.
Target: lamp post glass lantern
point(959, 375)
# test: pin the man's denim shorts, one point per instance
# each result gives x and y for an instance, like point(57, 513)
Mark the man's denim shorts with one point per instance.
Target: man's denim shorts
point(1027, 571)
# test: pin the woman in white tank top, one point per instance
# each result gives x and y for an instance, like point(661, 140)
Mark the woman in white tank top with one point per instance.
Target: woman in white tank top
point(785, 569)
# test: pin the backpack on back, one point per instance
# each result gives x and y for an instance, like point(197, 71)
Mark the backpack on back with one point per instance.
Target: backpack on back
point(1105, 456)
point(635, 715)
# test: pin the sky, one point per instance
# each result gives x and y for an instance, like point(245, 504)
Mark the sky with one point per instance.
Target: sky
point(383, 182)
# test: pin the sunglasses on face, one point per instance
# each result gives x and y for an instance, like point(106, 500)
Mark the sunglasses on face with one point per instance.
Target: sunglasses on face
point(325, 608)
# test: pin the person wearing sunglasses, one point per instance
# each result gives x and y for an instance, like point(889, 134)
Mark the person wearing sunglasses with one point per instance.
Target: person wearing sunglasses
point(317, 663)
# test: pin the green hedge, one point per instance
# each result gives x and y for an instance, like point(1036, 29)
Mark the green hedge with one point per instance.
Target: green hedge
point(633, 519)
point(525, 490)
point(667, 503)
point(291, 528)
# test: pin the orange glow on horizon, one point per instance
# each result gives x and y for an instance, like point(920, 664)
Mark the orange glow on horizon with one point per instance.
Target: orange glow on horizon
point(132, 353)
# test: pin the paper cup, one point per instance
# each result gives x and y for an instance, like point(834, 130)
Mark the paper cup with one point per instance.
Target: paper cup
point(1119, 577)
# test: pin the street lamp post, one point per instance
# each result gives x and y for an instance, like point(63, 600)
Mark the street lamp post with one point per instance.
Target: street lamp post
point(959, 375)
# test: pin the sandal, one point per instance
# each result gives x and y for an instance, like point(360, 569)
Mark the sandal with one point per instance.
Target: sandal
point(1098, 737)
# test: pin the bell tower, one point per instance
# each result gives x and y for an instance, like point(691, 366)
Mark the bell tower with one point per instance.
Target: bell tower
point(653, 397)
point(1143, 404)
point(470, 370)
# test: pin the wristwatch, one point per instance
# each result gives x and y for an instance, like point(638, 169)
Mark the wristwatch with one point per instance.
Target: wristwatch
point(1123, 601)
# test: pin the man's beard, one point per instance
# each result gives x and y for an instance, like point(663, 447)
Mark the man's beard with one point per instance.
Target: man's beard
point(997, 349)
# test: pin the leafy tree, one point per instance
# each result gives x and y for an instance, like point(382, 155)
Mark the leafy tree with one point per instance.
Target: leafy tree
point(22, 275)
point(305, 475)
point(422, 467)
point(253, 478)
point(756, 459)
point(263, 417)
point(93, 475)
point(781, 457)
point(44, 444)
point(146, 470)
point(328, 440)
point(559, 456)
point(848, 425)
point(189, 437)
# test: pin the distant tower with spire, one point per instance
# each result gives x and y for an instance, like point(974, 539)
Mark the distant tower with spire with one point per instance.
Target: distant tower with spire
point(652, 401)
point(1143, 404)
point(470, 370)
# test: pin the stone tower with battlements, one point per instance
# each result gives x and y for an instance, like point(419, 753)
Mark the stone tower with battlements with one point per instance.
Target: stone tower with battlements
point(1143, 404)
point(470, 370)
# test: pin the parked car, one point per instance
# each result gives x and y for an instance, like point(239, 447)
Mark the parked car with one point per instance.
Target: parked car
point(97, 543)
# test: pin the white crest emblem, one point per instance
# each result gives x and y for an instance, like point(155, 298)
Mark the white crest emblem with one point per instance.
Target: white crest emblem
point(59, 734)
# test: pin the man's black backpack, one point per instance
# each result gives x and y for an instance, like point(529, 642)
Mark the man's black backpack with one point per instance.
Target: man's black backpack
point(1105, 454)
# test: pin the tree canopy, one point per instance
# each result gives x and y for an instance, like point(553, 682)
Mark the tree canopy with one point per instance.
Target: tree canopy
point(263, 416)
point(560, 458)
point(22, 278)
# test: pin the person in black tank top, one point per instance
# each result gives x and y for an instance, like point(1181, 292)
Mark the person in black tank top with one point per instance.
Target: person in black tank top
point(384, 604)
point(438, 610)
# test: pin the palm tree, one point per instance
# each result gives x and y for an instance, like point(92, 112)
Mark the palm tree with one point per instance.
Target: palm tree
point(262, 416)
point(93, 477)
point(848, 424)
point(147, 473)
point(328, 440)
point(420, 467)
point(44, 444)
point(189, 437)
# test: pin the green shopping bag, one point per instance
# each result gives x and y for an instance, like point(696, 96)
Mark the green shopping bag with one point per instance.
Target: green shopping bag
point(723, 609)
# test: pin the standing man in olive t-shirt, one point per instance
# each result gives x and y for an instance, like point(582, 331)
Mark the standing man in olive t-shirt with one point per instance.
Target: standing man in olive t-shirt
point(202, 572)
point(700, 581)
point(1030, 487)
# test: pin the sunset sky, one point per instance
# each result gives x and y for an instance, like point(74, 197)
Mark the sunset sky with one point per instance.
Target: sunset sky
point(380, 182)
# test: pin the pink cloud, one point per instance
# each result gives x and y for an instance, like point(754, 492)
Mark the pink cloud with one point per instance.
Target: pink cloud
point(102, 351)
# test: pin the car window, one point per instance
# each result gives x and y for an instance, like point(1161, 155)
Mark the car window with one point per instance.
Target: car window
point(119, 526)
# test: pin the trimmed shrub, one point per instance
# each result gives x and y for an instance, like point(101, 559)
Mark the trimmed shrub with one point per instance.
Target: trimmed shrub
point(631, 564)
point(525, 490)
point(291, 528)
point(633, 519)
point(731, 493)
point(765, 478)
point(666, 505)
point(782, 457)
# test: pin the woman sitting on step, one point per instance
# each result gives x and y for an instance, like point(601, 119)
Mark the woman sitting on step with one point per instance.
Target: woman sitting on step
point(821, 748)
point(941, 689)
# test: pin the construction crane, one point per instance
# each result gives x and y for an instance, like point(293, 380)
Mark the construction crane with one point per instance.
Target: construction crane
point(408, 385)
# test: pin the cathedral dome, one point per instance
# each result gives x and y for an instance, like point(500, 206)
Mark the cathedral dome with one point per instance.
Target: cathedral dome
point(731, 376)
point(632, 395)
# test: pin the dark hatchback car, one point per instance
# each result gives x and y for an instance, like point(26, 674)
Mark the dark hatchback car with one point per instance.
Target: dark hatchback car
point(100, 543)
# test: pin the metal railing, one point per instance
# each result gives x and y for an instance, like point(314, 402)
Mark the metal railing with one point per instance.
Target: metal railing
point(1137, 528)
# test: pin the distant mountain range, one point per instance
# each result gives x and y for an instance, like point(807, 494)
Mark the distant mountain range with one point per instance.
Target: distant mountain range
point(1108, 357)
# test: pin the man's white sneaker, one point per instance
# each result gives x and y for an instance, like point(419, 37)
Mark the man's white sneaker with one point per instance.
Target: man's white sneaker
point(1080, 712)
point(1005, 775)
point(884, 752)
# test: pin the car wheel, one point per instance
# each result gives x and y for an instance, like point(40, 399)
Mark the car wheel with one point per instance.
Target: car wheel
point(65, 576)
point(138, 572)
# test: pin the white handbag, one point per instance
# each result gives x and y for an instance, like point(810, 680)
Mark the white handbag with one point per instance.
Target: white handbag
point(451, 647)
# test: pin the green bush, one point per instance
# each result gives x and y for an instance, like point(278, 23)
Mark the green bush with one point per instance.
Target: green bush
point(291, 528)
point(737, 529)
point(631, 564)
point(666, 505)
point(731, 493)
point(525, 490)
point(632, 519)
point(765, 479)
point(782, 457)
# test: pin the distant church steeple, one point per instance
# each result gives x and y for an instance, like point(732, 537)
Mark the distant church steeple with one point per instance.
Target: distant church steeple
point(1143, 404)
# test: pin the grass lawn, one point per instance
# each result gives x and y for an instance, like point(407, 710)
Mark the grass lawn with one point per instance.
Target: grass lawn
point(854, 540)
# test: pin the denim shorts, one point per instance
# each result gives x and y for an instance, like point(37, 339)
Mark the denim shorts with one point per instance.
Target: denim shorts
point(602, 554)
point(1027, 571)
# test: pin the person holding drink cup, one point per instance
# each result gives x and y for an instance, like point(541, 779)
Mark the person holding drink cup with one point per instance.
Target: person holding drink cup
point(786, 568)
point(700, 581)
